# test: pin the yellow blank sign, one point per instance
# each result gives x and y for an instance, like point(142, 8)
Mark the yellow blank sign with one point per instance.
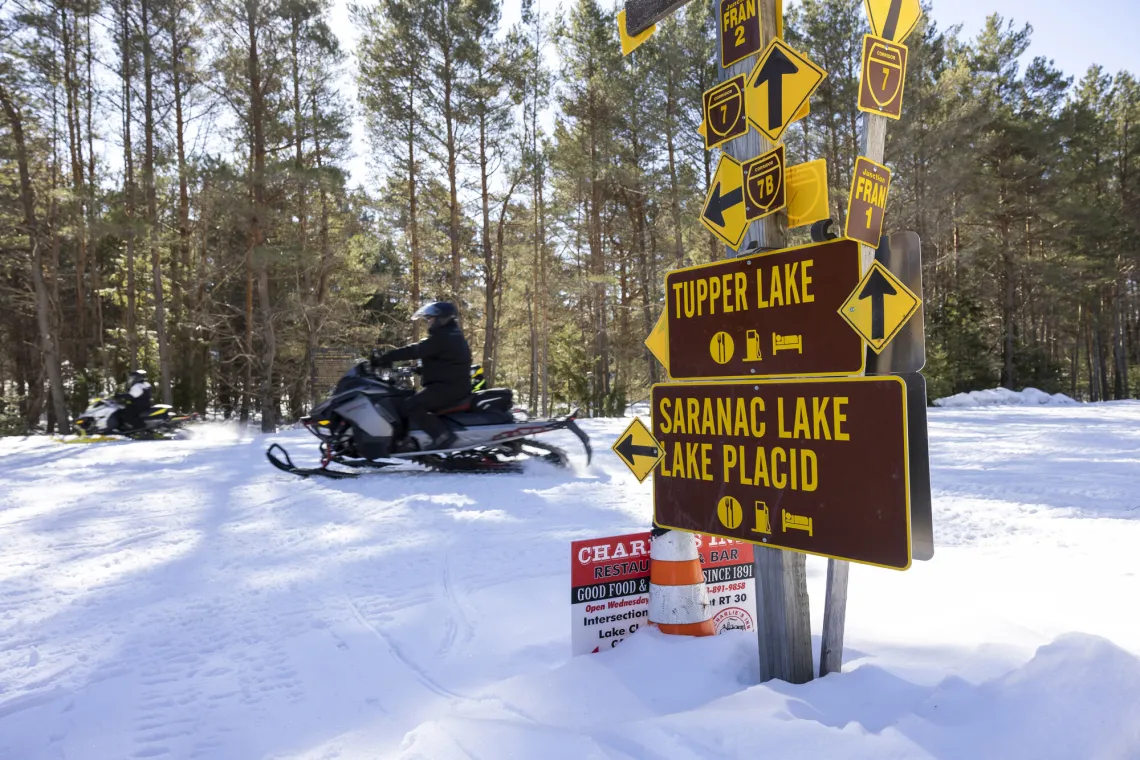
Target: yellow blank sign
point(807, 193)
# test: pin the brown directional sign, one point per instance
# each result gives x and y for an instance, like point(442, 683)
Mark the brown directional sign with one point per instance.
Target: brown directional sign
point(724, 112)
point(882, 77)
point(867, 204)
point(771, 314)
point(817, 466)
point(642, 14)
point(739, 30)
point(764, 187)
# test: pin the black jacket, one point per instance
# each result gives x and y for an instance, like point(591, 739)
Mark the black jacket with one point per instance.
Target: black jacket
point(137, 397)
point(444, 355)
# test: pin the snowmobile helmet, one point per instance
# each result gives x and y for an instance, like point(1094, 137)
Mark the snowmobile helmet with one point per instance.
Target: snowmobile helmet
point(136, 376)
point(442, 311)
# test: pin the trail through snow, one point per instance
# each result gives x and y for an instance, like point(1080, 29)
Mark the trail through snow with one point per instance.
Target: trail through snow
point(182, 599)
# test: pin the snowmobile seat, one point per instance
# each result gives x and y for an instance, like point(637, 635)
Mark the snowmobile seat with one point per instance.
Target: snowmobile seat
point(462, 406)
point(495, 399)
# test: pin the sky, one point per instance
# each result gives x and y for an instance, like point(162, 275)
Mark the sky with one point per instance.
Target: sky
point(1104, 32)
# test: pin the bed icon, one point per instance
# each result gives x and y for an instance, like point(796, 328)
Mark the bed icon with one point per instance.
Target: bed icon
point(796, 522)
point(787, 343)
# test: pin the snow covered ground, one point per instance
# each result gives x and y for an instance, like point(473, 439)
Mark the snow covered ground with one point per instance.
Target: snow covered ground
point(184, 600)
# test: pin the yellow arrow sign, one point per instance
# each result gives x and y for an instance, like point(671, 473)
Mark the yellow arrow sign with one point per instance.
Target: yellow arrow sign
point(893, 20)
point(807, 193)
point(723, 212)
point(879, 306)
point(658, 341)
point(778, 87)
point(638, 449)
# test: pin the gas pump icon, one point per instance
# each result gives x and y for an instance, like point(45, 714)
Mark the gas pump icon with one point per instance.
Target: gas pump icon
point(752, 347)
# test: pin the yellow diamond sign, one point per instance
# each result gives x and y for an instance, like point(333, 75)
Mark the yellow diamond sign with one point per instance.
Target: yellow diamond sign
point(723, 213)
point(638, 449)
point(658, 341)
point(778, 88)
point(893, 20)
point(879, 306)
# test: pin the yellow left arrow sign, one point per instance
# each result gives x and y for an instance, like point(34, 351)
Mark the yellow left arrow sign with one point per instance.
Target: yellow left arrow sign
point(638, 449)
point(723, 212)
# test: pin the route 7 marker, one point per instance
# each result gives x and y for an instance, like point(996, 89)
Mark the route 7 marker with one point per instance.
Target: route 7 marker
point(724, 117)
point(638, 449)
point(882, 77)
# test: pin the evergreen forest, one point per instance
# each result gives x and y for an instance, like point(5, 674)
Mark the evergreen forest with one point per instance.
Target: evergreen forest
point(175, 195)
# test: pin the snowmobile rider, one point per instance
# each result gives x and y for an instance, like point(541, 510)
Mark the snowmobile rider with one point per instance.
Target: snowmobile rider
point(445, 360)
point(136, 400)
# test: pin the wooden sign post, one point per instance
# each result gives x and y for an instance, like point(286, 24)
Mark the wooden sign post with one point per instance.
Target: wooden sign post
point(784, 625)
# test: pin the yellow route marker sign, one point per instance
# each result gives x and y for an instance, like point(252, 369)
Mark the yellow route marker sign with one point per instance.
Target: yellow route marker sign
point(724, 112)
point(638, 449)
point(867, 203)
point(765, 190)
point(879, 306)
point(807, 193)
point(893, 20)
point(779, 85)
point(882, 77)
point(723, 212)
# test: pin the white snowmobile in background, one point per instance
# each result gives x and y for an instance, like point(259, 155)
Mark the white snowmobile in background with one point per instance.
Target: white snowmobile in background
point(101, 422)
point(360, 426)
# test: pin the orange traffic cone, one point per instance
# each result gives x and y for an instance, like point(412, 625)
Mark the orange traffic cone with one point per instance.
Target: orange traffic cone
point(678, 598)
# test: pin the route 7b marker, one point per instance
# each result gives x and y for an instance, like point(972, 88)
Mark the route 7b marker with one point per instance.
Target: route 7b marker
point(638, 449)
point(879, 307)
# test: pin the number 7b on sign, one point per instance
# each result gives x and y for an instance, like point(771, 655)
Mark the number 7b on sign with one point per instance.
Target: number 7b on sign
point(867, 203)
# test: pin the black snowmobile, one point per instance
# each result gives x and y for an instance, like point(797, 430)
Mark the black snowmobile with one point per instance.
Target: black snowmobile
point(360, 426)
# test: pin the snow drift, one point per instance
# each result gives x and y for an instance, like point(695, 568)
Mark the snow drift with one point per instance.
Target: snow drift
point(1003, 397)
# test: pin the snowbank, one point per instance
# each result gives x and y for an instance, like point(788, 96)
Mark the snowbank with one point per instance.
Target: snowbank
point(1003, 397)
point(662, 697)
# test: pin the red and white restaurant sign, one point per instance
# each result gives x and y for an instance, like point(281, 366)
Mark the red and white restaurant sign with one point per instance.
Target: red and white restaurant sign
point(609, 594)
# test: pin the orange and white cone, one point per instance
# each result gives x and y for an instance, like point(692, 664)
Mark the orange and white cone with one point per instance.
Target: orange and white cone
point(678, 598)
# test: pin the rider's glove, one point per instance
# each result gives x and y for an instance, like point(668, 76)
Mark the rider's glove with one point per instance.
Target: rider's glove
point(380, 359)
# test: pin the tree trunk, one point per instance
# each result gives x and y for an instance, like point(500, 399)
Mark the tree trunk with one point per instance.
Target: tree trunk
point(489, 269)
point(152, 208)
point(182, 304)
point(450, 119)
point(70, 39)
point(257, 228)
point(674, 191)
point(129, 182)
point(48, 336)
point(413, 222)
